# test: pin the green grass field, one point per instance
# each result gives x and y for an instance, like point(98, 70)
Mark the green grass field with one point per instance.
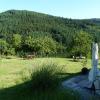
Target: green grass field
point(13, 70)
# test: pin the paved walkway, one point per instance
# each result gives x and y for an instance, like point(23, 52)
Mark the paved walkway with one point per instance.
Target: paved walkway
point(81, 85)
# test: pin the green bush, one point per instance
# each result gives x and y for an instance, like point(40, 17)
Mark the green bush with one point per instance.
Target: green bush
point(46, 77)
point(84, 71)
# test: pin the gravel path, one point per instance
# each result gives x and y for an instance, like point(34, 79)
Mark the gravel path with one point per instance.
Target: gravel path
point(81, 85)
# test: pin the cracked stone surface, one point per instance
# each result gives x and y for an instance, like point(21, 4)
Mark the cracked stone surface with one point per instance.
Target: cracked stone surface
point(81, 85)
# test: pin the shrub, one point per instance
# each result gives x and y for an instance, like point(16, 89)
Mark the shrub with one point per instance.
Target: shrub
point(46, 77)
point(84, 71)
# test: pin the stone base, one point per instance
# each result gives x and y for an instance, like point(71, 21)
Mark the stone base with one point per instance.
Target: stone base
point(82, 85)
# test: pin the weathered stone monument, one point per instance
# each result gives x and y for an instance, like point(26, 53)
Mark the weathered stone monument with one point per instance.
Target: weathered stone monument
point(94, 74)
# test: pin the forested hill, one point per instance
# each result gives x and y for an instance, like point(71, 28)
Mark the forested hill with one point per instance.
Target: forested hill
point(28, 31)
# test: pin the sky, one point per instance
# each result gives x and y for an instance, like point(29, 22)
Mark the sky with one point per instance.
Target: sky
point(75, 9)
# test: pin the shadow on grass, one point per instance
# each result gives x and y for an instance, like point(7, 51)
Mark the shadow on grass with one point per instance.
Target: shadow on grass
point(25, 91)
point(74, 60)
point(65, 76)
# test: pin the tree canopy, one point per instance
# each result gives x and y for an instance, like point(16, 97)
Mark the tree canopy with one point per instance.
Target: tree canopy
point(27, 32)
point(82, 44)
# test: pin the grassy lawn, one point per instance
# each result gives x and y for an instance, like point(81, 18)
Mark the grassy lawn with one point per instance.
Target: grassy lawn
point(12, 85)
point(11, 69)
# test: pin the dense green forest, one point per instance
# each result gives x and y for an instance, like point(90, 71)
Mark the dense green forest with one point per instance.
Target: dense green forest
point(26, 32)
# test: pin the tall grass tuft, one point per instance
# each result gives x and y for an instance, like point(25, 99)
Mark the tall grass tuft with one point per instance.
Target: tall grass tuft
point(46, 77)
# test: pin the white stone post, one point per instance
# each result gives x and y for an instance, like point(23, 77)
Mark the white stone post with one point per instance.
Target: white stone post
point(94, 74)
point(93, 71)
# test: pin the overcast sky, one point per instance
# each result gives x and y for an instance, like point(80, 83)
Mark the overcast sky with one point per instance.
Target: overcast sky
point(77, 9)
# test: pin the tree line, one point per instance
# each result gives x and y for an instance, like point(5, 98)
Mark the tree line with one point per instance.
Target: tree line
point(27, 32)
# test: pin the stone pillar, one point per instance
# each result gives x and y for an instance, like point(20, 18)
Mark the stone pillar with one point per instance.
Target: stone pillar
point(94, 74)
point(93, 71)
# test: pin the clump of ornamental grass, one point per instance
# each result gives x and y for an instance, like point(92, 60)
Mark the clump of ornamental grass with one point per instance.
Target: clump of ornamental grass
point(46, 77)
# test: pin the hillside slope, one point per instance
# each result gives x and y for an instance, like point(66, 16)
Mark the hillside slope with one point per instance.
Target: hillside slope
point(61, 30)
point(23, 22)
